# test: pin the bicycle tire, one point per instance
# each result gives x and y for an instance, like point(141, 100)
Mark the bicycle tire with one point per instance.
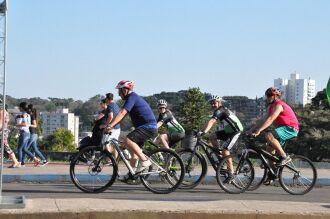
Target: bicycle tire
point(241, 178)
point(260, 171)
point(166, 172)
point(97, 161)
point(195, 167)
point(298, 165)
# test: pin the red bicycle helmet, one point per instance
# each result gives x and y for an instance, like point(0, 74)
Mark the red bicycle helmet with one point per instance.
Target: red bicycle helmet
point(125, 84)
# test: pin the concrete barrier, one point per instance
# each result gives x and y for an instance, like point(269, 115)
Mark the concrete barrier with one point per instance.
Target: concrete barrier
point(120, 209)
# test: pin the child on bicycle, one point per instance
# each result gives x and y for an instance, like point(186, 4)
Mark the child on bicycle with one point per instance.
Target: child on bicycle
point(175, 132)
point(286, 122)
point(229, 128)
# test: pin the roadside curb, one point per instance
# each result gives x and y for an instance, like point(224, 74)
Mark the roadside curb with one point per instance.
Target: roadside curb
point(65, 178)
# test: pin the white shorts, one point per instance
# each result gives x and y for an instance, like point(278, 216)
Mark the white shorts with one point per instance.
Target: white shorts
point(114, 134)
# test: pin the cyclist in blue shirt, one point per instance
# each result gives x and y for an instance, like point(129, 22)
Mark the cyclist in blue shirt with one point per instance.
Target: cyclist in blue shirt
point(143, 120)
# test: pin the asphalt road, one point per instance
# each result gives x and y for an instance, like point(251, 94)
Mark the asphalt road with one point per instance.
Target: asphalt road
point(122, 191)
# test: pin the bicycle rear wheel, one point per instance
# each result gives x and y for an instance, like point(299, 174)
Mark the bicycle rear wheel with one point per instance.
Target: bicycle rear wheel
point(93, 170)
point(237, 180)
point(166, 172)
point(298, 176)
point(195, 167)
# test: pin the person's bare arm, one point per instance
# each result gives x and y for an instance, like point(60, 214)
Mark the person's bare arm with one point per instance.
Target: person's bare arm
point(209, 125)
point(269, 120)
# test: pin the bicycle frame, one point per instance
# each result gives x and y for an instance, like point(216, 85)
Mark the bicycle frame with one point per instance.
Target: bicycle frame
point(116, 143)
point(264, 155)
point(205, 146)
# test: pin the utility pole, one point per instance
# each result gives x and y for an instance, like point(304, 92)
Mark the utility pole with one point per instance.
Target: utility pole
point(5, 201)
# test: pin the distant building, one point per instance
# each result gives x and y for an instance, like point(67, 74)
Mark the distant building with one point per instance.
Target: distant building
point(60, 119)
point(296, 91)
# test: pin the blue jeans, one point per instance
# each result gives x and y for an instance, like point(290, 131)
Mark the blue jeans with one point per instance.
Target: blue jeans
point(33, 142)
point(22, 143)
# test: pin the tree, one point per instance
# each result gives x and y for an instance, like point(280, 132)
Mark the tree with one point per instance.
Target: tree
point(61, 140)
point(194, 110)
point(87, 110)
point(320, 100)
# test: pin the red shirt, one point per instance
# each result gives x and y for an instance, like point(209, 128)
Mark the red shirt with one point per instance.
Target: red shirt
point(286, 117)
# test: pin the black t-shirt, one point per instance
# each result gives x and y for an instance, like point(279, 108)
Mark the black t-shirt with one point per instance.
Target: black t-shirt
point(101, 121)
point(32, 129)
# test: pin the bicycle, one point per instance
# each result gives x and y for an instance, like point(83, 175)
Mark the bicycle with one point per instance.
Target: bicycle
point(297, 177)
point(94, 169)
point(195, 164)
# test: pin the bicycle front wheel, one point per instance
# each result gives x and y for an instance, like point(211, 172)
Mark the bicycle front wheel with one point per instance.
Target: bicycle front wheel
point(260, 171)
point(235, 174)
point(93, 170)
point(195, 167)
point(166, 172)
point(298, 176)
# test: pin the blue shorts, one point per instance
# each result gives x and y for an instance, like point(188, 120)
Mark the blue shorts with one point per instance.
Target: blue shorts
point(285, 133)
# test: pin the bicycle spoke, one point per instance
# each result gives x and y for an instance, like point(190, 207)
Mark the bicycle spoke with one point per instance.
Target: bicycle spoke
point(166, 172)
point(299, 176)
point(238, 181)
point(96, 174)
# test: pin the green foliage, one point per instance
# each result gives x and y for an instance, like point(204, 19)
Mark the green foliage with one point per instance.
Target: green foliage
point(61, 140)
point(314, 135)
point(194, 110)
point(320, 101)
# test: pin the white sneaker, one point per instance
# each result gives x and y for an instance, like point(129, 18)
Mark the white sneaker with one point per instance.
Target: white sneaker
point(143, 165)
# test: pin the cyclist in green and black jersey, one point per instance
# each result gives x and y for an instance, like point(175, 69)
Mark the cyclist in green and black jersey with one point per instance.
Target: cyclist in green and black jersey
point(175, 132)
point(229, 129)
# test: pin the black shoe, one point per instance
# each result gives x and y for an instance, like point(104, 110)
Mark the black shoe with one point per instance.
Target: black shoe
point(270, 179)
point(229, 179)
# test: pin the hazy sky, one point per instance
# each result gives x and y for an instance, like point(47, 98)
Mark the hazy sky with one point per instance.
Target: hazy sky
point(77, 49)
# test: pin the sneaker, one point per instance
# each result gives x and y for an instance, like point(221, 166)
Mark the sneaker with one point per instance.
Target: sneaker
point(229, 178)
point(143, 165)
point(18, 165)
point(284, 160)
point(44, 163)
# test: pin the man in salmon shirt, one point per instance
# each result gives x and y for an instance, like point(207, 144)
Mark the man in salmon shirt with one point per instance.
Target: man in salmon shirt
point(285, 121)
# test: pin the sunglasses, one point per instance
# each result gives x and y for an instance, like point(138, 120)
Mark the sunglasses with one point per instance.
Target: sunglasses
point(161, 107)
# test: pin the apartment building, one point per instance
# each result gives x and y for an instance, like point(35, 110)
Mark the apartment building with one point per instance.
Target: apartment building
point(296, 91)
point(60, 119)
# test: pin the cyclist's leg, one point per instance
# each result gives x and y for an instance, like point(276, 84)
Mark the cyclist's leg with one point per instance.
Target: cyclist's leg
point(175, 138)
point(274, 143)
point(135, 139)
point(164, 139)
point(230, 141)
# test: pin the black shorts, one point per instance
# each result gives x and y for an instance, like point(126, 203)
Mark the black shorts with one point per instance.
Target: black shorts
point(175, 138)
point(141, 135)
point(227, 138)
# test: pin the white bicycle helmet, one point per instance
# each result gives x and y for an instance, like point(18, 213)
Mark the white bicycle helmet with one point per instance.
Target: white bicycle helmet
point(162, 102)
point(216, 98)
